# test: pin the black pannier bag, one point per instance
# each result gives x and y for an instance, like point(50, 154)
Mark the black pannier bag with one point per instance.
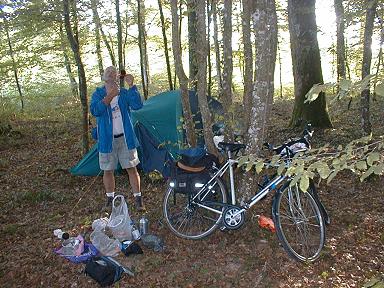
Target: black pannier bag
point(186, 182)
point(198, 157)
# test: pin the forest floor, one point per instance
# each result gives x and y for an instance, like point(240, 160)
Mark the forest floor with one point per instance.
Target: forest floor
point(38, 195)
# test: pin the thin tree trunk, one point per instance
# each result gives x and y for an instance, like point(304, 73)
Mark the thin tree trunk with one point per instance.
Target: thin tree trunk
point(81, 73)
point(209, 49)
point(340, 43)
point(94, 4)
point(201, 53)
point(306, 64)
point(248, 59)
point(142, 48)
point(105, 40)
point(119, 40)
point(228, 69)
point(379, 57)
point(265, 27)
point(183, 79)
point(14, 66)
point(67, 63)
point(169, 73)
point(217, 47)
point(280, 69)
point(366, 67)
point(192, 38)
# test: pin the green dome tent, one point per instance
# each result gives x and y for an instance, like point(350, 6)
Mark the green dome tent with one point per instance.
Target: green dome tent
point(158, 128)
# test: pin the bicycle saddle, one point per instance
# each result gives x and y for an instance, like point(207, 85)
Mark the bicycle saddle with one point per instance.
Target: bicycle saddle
point(233, 147)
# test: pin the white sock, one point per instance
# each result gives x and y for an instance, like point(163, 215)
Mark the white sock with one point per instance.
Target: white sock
point(136, 194)
point(110, 194)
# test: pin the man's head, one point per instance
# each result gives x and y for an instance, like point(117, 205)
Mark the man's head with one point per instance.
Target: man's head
point(110, 74)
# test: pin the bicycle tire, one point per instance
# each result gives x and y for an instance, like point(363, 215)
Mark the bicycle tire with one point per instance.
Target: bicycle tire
point(296, 212)
point(189, 213)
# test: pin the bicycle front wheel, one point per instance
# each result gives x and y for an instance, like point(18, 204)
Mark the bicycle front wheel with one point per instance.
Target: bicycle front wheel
point(299, 223)
point(187, 219)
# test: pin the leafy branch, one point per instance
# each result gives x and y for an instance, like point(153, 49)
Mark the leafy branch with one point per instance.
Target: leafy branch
point(364, 157)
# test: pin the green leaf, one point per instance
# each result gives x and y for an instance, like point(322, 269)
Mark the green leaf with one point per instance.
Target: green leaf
point(259, 166)
point(274, 159)
point(332, 175)
point(379, 169)
point(323, 170)
point(373, 157)
point(249, 166)
point(304, 183)
point(242, 160)
point(380, 89)
point(345, 84)
point(295, 180)
point(367, 173)
point(281, 168)
point(361, 165)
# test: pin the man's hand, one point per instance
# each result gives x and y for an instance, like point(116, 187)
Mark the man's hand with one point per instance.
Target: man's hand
point(112, 91)
point(129, 80)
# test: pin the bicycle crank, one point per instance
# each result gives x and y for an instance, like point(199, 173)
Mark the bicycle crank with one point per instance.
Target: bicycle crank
point(232, 217)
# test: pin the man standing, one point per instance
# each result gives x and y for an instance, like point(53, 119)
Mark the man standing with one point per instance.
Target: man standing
point(117, 141)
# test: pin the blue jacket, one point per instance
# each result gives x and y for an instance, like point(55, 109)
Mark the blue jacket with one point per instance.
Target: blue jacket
point(129, 99)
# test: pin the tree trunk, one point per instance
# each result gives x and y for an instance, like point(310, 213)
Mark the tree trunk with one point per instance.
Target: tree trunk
point(209, 12)
point(81, 73)
point(119, 40)
point(248, 59)
point(265, 26)
point(104, 37)
point(228, 68)
point(192, 38)
point(340, 43)
point(366, 67)
point(166, 54)
point(280, 69)
point(217, 47)
point(96, 20)
point(143, 48)
point(14, 65)
point(306, 64)
point(201, 53)
point(379, 56)
point(67, 63)
point(183, 79)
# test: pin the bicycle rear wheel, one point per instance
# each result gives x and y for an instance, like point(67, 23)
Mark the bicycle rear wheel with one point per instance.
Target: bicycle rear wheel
point(299, 223)
point(187, 219)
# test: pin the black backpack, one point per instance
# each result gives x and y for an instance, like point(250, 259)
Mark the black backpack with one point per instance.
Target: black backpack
point(105, 270)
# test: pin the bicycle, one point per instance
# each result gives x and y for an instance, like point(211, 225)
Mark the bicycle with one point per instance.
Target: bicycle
point(299, 217)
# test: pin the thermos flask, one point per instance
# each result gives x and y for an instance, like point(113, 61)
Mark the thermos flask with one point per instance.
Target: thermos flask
point(143, 226)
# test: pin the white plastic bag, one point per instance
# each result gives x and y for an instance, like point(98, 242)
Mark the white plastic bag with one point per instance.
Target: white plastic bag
point(120, 223)
point(106, 246)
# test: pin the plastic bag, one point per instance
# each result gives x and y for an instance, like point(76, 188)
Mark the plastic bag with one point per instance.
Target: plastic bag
point(106, 246)
point(120, 223)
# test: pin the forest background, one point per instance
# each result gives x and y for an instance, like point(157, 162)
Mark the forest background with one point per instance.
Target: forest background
point(275, 65)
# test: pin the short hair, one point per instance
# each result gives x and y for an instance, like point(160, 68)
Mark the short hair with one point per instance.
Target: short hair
point(107, 71)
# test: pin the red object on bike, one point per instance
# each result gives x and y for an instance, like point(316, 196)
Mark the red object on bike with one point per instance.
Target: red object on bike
point(265, 222)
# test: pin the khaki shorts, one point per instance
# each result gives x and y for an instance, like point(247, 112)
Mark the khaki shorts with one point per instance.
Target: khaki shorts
point(120, 154)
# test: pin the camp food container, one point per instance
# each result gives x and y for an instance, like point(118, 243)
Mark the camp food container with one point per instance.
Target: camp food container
point(70, 246)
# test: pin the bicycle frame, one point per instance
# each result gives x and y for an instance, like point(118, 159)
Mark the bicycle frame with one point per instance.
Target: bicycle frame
point(229, 165)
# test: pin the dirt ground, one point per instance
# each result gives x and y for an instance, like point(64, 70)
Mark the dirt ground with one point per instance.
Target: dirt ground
point(38, 195)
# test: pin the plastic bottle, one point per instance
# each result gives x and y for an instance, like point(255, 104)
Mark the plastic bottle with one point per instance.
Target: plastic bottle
point(60, 234)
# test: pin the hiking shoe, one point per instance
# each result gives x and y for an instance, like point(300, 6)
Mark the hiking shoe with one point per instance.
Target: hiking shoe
point(139, 204)
point(108, 205)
